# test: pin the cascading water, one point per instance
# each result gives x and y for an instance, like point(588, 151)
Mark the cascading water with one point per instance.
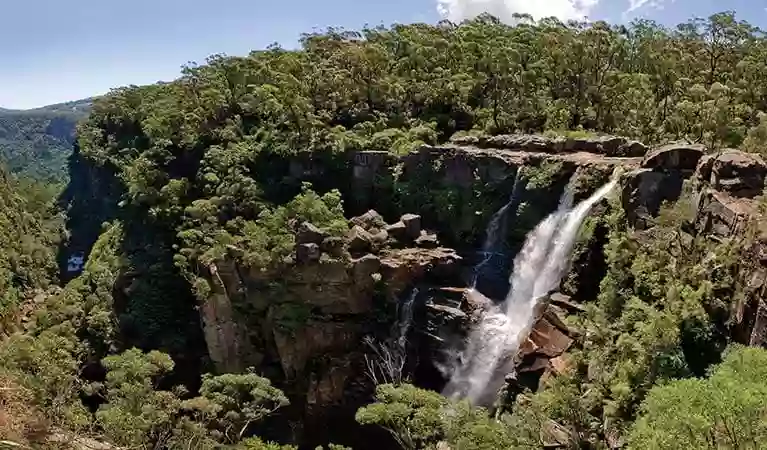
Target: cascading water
point(406, 317)
point(538, 269)
point(492, 247)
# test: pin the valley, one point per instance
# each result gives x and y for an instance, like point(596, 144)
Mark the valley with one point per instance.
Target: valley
point(455, 236)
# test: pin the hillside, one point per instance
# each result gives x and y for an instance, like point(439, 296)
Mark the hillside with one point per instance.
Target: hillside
point(37, 142)
point(464, 236)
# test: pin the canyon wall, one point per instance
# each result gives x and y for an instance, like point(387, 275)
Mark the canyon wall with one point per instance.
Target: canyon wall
point(304, 327)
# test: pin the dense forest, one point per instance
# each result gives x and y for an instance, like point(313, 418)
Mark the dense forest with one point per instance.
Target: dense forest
point(37, 142)
point(231, 297)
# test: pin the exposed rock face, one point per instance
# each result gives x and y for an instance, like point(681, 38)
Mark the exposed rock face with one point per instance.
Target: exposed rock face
point(297, 347)
point(602, 145)
point(676, 156)
point(661, 179)
point(543, 351)
point(457, 187)
point(725, 208)
point(224, 332)
point(645, 190)
point(735, 172)
point(400, 267)
point(720, 214)
point(308, 320)
point(748, 316)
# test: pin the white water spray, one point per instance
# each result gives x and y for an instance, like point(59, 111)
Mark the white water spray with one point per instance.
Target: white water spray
point(406, 318)
point(490, 245)
point(538, 269)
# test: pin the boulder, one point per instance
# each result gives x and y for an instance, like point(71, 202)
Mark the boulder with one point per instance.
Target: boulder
point(398, 231)
point(527, 142)
point(678, 156)
point(583, 145)
point(333, 246)
point(633, 149)
point(371, 220)
point(703, 170)
point(427, 240)
point(306, 253)
point(547, 339)
point(738, 173)
point(565, 302)
point(380, 239)
point(309, 234)
point(412, 225)
point(475, 303)
point(359, 239)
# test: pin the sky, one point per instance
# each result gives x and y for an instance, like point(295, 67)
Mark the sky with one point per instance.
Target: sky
point(59, 50)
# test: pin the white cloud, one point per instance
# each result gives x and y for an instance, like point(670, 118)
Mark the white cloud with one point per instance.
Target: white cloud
point(634, 5)
point(458, 10)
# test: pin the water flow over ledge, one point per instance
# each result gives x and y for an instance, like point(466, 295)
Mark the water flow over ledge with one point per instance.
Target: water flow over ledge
point(493, 251)
point(538, 269)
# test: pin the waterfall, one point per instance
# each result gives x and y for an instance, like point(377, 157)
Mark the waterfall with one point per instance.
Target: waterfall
point(405, 314)
point(493, 240)
point(538, 269)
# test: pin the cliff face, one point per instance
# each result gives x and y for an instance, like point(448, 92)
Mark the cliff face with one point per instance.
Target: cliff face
point(390, 279)
point(459, 186)
point(304, 325)
point(724, 188)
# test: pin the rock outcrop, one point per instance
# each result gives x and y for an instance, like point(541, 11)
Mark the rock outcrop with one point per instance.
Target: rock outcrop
point(735, 172)
point(303, 325)
point(678, 156)
point(543, 352)
point(600, 145)
point(457, 187)
point(661, 179)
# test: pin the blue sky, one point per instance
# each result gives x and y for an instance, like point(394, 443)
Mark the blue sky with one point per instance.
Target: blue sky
point(58, 50)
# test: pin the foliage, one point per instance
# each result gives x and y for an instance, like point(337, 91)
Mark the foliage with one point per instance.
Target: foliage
point(258, 444)
point(413, 416)
point(421, 419)
point(212, 154)
point(542, 177)
point(216, 164)
point(725, 410)
point(658, 317)
point(29, 233)
point(228, 404)
point(36, 143)
point(47, 368)
point(136, 412)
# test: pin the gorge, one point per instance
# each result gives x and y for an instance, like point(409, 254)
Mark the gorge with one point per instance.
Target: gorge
point(352, 243)
point(538, 269)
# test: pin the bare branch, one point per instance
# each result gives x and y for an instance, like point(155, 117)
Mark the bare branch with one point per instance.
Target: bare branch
point(386, 364)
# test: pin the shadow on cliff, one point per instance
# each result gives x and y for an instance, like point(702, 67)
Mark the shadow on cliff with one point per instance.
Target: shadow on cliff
point(152, 302)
